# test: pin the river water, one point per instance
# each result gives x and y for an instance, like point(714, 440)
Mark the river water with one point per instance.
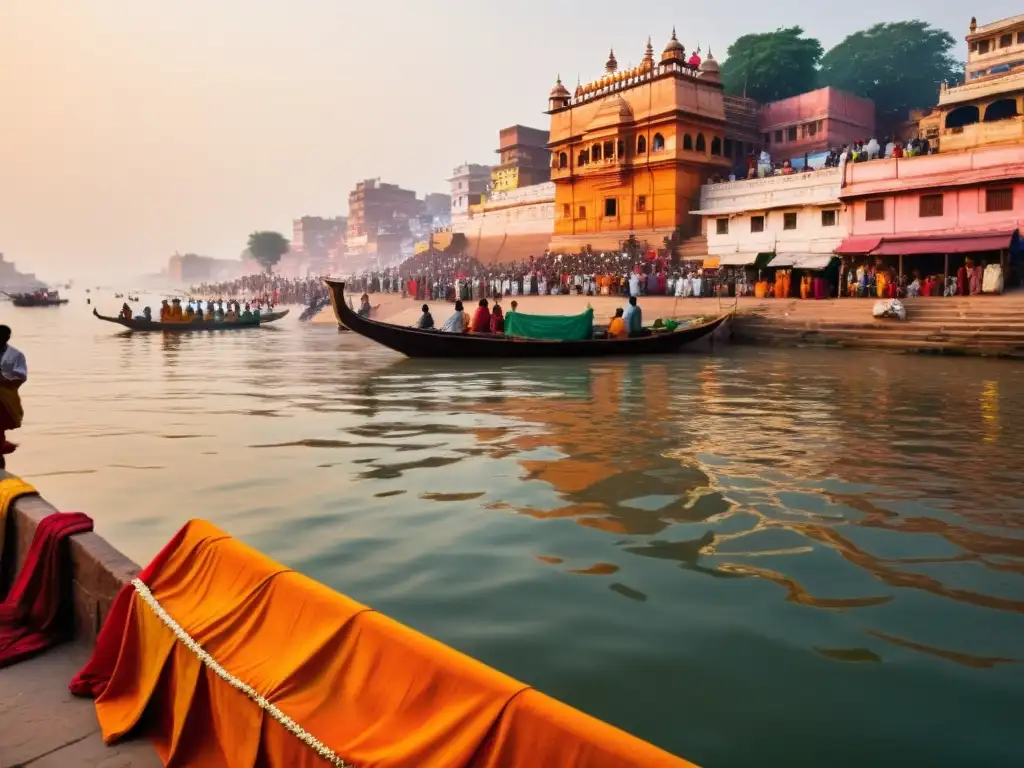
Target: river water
point(861, 602)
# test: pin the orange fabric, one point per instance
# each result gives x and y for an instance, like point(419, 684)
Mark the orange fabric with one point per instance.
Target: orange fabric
point(374, 691)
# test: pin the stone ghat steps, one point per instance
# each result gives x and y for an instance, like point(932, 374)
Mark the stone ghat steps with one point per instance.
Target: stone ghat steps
point(906, 331)
point(902, 339)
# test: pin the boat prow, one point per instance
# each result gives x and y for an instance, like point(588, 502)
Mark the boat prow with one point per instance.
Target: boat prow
point(153, 326)
point(414, 342)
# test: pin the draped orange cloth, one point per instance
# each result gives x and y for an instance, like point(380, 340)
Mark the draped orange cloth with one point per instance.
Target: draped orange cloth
point(373, 691)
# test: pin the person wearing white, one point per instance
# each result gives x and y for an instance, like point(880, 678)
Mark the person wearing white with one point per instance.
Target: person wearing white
point(634, 284)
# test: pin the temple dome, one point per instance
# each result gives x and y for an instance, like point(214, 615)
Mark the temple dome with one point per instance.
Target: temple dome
point(709, 69)
point(559, 91)
point(612, 64)
point(674, 49)
point(615, 110)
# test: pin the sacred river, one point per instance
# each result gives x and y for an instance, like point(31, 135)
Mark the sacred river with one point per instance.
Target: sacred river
point(761, 557)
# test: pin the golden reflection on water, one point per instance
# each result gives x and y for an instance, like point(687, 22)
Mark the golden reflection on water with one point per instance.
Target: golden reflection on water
point(989, 402)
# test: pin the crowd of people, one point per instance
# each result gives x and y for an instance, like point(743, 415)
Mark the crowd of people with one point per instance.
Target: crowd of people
point(266, 290)
point(215, 312)
point(758, 165)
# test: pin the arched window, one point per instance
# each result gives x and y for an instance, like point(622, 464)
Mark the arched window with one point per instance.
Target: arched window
point(641, 146)
point(701, 146)
point(687, 142)
point(961, 116)
point(716, 146)
point(595, 152)
point(1000, 110)
point(658, 143)
point(563, 160)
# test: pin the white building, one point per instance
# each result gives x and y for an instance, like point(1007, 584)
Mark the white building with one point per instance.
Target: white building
point(470, 183)
point(798, 218)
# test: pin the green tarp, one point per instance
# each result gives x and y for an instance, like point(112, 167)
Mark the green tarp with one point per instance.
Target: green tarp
point(550, 327)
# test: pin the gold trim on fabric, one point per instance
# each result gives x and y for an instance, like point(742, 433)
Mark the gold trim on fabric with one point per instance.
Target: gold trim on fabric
point(185, 639)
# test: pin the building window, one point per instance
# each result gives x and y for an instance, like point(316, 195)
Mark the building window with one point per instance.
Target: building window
point(791, 134)
point(610, 206)
point(974, 47)
point(716, 146)
point(778, 137)
point(701, 146)
point(687, 142)
point(566, 210)
point(821, 125)
point(811, 128)
point(659, 143)
point(609, 150)
point(721, 226)
point(789, 220)
point(563, 160)
point(930, 205)
point(641, 203)
point(874, 210)
point(1020, 38)
point(757, 223)
point(583, 212)
point(828, 218)
point(983, 46)
point(595, 152)
point(1005, 41)
point(998, 200)
point(765, 136)
point(641, 145)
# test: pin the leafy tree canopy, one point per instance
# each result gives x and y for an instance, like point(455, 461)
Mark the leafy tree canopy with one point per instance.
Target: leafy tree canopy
point(768, 66)
point(268, 248)
point(899, 65)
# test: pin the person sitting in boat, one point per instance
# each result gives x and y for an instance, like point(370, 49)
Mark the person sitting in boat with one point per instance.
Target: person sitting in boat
point(514, 307)
point(364, 306)
point(426, 320)
point(231, 316)
point(177, 315)
point(165, 311)
point(482, 318)
point(246, 316)
point(218, 313)
point(633, 318)
point(497, 319)
point(197, 315)
point(126, 311)
point(458, 322)
point(190, 312)
point(256, 315)
point(146, 316)
point(617, 327)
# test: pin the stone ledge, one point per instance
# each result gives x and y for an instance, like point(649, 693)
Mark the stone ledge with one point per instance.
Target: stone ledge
point(98, 571)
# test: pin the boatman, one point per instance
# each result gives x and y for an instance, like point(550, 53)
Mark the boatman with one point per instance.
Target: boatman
point(633, 318)
point(13, 373)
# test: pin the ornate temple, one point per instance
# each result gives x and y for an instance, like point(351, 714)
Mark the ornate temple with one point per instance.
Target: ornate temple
point(630, 150)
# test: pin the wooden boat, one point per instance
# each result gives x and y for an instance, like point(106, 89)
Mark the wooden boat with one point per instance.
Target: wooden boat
point(33, 300)
point(414, 342)
point(141, 325)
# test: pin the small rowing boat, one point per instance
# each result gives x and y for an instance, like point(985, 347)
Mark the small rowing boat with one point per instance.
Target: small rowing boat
point(413, 342)
point(137, 324)
point(51, 299)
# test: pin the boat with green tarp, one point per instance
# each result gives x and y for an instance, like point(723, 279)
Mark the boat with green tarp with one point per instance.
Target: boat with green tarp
point(549, 336)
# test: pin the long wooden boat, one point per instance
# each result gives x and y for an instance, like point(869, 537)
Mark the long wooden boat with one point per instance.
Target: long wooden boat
point(141, 325)
point(30, 300)
point(414, 342)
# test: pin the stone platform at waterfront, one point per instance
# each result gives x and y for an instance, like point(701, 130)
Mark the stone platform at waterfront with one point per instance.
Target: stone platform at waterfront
point(41, 724)
point(973, 325)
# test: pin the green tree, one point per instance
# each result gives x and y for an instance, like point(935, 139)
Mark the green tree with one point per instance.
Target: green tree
point(768, 66)
point(268, 248)
point(898, 65)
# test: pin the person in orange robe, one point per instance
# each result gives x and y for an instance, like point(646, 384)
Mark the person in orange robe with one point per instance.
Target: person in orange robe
point(617, 327)
point(482, 319)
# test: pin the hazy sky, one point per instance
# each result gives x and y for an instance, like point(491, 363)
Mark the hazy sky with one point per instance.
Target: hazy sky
point(134, 128)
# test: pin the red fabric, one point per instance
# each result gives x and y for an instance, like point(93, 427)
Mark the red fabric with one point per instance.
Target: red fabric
point(33, 618)
point(858, 245)
point(497, 321)
point(481, 321)
point(961, 281)
point(92, 679)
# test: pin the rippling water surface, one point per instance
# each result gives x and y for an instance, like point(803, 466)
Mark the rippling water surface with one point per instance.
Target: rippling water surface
point(763, 557)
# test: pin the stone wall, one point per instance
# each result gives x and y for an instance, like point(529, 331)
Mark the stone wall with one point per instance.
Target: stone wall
point(98, 571)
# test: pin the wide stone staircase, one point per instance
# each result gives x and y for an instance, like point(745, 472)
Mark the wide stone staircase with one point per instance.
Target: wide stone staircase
point(976, 325)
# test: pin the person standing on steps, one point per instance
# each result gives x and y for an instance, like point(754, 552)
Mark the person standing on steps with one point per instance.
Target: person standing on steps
point(13, 373)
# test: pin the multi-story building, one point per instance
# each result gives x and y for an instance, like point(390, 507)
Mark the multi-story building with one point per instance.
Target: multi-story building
point(525, 159)
point(989, 107)
point(318, 236)
point(631, 150)
point(470, 182)
point(509, 225)
point(792, 221)
point(378, 218)
point(815, 121)
point(742, 131)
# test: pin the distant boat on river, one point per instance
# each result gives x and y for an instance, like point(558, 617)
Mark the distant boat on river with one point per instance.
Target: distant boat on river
point(138, 324)
point(40, 299)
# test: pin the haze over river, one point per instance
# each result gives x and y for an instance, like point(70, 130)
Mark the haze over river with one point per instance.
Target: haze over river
point(862, 602)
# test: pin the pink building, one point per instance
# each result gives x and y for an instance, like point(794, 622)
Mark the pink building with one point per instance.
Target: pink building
point(815, 121)
point(937, 209)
